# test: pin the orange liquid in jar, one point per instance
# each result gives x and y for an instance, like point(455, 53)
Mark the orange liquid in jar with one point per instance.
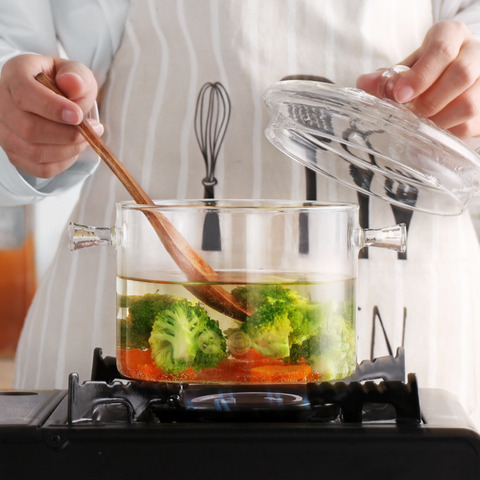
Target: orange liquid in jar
point(17, 287)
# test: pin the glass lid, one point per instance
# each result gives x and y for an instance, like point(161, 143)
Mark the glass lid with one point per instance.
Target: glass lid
point(373, 145)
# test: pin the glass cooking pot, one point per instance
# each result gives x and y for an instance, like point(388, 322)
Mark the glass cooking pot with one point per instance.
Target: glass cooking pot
point(293, 266)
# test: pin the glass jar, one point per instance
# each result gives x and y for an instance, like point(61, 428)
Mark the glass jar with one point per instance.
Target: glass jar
point(18, 278)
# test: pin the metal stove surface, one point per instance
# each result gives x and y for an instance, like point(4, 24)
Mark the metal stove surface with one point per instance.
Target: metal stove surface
point(136, 430)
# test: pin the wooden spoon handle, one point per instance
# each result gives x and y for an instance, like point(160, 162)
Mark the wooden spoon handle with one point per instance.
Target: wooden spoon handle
point(188, 260)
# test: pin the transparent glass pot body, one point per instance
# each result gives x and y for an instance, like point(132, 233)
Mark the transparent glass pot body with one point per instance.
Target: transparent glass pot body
point(293, 265)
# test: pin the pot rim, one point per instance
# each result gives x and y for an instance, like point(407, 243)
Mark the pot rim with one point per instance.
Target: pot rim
point(240, 204)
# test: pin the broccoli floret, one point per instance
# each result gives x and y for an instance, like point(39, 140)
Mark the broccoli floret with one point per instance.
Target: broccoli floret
point(142, 310)
point(183, 335)
point(281, 318)
point(330, 350)
point(269, 336)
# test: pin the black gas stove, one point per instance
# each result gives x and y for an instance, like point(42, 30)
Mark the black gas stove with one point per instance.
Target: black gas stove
point(109, 427)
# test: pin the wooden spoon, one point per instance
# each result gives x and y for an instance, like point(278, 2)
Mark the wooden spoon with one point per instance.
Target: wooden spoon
point(187, 259)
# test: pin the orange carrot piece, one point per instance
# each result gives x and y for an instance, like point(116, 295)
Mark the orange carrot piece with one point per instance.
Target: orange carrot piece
point(252, 356)
point(280, 373)
point(136, 356)
point(139, 364)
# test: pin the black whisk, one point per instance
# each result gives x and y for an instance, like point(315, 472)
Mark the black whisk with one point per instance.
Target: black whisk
point(309, 117)
point(212, 114)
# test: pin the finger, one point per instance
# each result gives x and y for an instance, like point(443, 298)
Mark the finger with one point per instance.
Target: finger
point(412, 58)
point(440, 48)
point(29, 95)
point(40, 170)
point(467, 130)
point(45, 153)
point(370, 82)
point(41, 160)
point(456, 79)
point(34, 129)
point(461, 109)
point(77, 82)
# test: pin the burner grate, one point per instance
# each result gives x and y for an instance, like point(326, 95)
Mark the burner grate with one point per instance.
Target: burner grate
point(109, 398)
point(353, 398)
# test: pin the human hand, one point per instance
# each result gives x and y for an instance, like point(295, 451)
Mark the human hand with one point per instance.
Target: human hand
point(443, 81)
point(37, 125)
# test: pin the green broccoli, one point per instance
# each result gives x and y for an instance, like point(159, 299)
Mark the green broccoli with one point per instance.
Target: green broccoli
point(330, 350)
point(281, 318)
point(136, 328)
point(183, 335)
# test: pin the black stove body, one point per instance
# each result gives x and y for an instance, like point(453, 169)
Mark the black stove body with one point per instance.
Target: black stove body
point(137, 430)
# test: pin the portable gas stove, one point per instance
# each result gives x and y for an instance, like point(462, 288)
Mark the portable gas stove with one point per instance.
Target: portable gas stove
point(112, 428)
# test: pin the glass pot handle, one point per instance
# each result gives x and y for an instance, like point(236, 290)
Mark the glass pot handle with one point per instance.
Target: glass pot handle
point(81, 236)
point(394, 238)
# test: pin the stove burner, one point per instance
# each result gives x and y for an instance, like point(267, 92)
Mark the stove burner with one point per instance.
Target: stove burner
point(225, 401)
point(131, 401)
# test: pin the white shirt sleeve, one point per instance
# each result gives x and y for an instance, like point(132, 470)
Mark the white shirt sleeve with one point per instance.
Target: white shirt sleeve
point(89, 32)
point(26, 26)
point(466, 11)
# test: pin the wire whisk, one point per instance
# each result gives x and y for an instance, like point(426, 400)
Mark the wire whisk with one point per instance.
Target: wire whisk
point(212, 115)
